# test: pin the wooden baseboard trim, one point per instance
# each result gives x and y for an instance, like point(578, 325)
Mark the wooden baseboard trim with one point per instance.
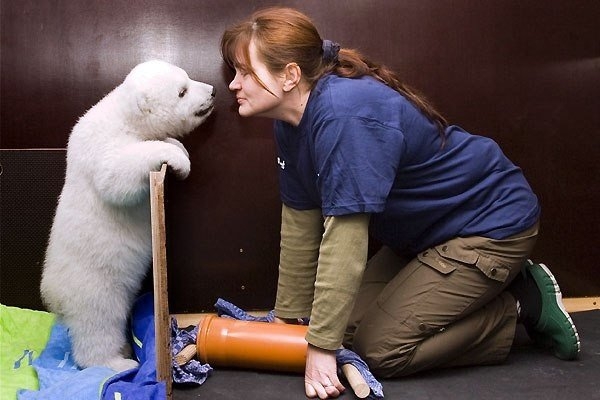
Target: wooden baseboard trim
point(185, 320)
point(577, 304)
point(572, 304)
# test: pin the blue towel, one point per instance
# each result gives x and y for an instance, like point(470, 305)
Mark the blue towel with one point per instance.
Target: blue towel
point(343, 356)
point(60, 378)
point(139, 383)
point(58, 375)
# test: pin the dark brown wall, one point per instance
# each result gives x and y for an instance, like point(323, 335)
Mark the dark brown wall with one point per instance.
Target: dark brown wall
point(524, 73)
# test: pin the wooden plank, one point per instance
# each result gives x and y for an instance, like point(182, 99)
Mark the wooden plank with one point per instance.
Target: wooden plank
point(162, 324)
point(185, 320)
point(577, 304)
point(572, 305)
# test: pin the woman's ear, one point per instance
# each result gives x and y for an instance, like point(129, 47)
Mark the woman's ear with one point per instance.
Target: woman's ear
point(292, 74)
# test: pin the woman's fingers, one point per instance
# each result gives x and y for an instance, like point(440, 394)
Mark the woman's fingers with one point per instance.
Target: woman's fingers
point(310, 391)
point(316, 389)
point(320, 374)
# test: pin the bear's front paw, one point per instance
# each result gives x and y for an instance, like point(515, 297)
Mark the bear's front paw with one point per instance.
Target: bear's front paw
point(180, 165)
point(177, 143)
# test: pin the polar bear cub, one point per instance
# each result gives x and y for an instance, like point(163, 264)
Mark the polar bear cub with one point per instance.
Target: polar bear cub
point(99, 248)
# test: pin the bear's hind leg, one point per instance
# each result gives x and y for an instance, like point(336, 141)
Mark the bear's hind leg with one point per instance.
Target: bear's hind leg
point(100, 341)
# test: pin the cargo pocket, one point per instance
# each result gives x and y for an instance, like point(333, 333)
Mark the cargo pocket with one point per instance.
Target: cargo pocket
point(433, 259)
point(490, 267)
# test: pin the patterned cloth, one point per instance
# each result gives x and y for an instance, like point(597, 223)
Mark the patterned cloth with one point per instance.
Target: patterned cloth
point(229, 310)
point(345, 356)
point(193, 371)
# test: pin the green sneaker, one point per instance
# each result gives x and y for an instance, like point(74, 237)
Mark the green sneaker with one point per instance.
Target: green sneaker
point(555, 326)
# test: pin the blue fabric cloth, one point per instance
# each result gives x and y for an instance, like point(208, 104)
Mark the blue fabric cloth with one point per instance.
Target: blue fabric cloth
point(361, 147)
point(60, 378)
point(343, 356)
point(139, 383)
point(58, 375)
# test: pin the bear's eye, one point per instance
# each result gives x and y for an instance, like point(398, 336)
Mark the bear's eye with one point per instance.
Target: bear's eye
point(182, 92)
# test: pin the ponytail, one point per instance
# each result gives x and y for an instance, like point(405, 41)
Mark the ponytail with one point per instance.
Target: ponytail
point(351, 64)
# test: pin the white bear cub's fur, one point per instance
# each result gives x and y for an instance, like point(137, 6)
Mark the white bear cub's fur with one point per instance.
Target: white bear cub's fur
point(100, 243)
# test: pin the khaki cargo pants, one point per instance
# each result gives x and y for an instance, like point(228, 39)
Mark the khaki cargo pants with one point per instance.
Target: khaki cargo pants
point(447, 307)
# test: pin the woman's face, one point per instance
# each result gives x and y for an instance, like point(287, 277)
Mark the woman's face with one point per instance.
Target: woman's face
point(252, 97)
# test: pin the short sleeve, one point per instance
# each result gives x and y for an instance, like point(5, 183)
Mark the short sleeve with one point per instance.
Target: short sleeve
point(356, 161)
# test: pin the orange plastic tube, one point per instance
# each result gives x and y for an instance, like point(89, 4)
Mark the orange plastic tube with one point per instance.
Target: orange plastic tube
point(229, 342)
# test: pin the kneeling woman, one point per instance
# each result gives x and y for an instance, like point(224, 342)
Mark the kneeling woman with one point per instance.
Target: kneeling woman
point(361, 154)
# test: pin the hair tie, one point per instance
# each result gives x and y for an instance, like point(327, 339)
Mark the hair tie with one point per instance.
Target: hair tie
point(330, 51)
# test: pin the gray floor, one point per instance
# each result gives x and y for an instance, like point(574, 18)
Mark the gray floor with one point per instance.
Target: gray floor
point(529, 373)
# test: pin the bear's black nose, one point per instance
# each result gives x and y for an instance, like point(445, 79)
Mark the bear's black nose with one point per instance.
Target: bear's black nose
point(214, 92)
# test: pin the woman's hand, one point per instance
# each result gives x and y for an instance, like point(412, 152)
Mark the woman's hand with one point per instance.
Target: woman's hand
point(320, 375)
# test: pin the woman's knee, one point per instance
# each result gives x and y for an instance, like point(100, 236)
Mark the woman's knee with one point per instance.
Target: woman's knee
point(385, 362)
point(385, 357)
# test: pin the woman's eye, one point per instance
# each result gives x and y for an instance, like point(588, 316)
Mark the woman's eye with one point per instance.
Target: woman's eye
point(241, 71)
point(182, 92)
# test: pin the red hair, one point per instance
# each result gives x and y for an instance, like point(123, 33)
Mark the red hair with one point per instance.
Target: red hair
point(284, 35)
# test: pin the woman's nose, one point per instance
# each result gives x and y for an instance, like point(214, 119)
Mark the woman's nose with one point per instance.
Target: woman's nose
point(234, 84)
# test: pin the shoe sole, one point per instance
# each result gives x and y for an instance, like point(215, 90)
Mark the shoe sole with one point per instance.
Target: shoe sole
point(559, 302)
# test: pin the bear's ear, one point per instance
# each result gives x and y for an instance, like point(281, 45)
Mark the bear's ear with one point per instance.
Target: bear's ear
point(143, 103)
point(135, 90)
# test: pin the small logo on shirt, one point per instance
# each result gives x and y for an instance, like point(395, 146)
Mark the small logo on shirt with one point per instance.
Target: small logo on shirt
point(281, 163)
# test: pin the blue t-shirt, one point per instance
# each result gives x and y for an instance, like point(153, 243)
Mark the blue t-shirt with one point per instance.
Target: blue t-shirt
point(361, 147)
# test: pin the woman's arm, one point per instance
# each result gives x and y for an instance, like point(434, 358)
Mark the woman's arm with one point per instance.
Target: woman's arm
point(301, 235)
point(342, 260)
